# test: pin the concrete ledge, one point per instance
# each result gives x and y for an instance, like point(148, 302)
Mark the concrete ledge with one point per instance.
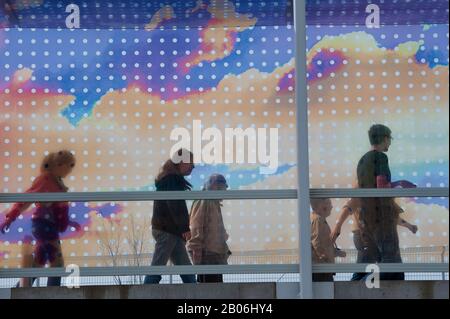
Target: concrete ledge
point(337, 290)
point(5, 293)
point(180, 291)
point(393, 290)
point(358, 290)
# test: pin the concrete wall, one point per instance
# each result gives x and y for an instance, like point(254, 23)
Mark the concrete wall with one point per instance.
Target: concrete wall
point(393, 290)
point(337, 290)
point(180, 291)
point(358, 290)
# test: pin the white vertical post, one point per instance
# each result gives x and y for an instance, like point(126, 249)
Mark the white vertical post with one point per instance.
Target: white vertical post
point(306, 291)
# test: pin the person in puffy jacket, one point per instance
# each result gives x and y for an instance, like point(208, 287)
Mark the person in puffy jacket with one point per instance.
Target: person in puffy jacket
point(208, 243)
point(48, 219)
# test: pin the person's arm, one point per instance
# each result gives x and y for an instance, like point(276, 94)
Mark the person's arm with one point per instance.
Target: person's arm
point(197, 225)
point(404, 223)
point(339, 253)
point(16, 210)
point(61, 211)
point(401, 222)
point(382, 182)
point(75, 225)
point(316, 242)
point(177, 208)
point(346, 212)
point(403, 184)
point(38, 186)
point(180, 215)
point(12, 215)
point(382, 171)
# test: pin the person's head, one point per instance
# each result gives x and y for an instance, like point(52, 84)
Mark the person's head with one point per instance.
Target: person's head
point(181, 163)
point(321, 206)
point(380, 137)
point(59, 164)
point(216, 182)
point(184, 161)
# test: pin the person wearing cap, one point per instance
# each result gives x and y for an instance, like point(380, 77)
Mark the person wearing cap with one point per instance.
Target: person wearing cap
point(207, 245)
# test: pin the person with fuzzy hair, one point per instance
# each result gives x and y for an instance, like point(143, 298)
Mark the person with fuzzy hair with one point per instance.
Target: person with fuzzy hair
point(48, 219)
point(322, 248)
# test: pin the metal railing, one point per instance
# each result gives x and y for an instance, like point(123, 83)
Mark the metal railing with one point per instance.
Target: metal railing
point(226, 195)
point(245, 266)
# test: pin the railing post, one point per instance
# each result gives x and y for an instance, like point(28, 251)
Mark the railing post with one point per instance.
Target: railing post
point(301, 102)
